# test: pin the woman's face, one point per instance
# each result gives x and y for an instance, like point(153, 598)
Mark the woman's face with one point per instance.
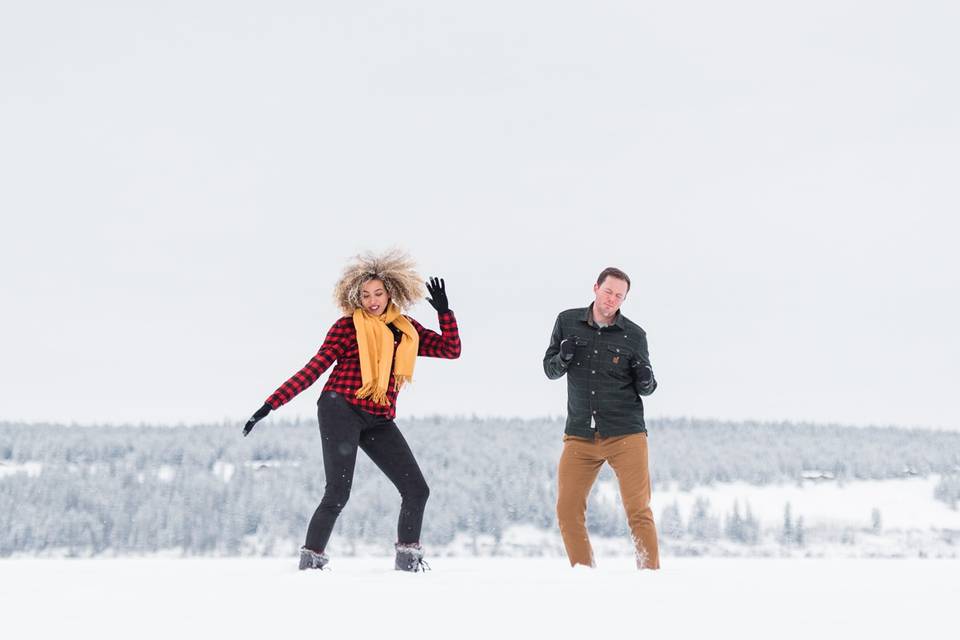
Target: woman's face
point(374, 298)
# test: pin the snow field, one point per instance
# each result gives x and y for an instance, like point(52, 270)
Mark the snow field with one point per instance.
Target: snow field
point(364, 598)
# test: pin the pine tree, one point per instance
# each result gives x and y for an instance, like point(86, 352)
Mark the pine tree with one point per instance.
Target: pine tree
point(948, 490)
point(733, 529)
point(751, 527)
point(702, 525)
point(787, 535)
point(671, 522)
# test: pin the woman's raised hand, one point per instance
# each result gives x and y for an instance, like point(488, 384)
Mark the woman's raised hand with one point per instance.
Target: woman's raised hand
point(438, 295)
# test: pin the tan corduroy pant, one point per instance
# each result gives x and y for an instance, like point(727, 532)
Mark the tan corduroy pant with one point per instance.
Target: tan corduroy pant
point(579, 465)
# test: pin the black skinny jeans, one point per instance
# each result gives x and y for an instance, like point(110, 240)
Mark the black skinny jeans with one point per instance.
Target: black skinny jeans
point(344, 427)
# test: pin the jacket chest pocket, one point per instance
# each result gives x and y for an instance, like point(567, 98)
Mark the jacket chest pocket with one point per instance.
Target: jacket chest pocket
point(617, 358)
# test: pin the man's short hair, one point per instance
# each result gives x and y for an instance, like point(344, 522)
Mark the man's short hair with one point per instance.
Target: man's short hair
point(614, 273)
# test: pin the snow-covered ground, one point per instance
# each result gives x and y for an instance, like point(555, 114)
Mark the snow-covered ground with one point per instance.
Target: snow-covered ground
point(473, 598)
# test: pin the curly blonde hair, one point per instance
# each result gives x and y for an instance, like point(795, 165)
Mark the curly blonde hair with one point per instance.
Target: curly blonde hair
point(395, 268)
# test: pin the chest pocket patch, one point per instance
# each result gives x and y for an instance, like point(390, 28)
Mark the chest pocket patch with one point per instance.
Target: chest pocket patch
point(618, 355)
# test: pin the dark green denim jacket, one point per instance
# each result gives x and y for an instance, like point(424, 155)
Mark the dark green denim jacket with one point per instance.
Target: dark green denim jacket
point(601, 380)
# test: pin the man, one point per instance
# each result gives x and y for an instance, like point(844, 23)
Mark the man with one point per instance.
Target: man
point(604, 356)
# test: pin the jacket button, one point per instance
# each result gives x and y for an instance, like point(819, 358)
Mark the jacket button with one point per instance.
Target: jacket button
point(593, 372)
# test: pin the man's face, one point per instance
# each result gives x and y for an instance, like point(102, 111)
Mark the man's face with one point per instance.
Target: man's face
point(610, 294)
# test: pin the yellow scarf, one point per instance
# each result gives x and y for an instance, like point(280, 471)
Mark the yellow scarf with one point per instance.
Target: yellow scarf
point(375, 349)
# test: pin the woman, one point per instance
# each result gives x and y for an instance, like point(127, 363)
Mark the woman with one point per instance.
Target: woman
point(375, 348)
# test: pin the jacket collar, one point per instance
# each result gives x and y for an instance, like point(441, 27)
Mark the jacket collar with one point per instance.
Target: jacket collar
point(588, 318)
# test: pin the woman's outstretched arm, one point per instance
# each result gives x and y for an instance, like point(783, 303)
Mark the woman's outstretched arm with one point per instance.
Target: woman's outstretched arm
point(332, 348)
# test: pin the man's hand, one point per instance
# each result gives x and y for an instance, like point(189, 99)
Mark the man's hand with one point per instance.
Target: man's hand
point(438, 295)
point(568, 347)
point(643, 372)
point(260, 414)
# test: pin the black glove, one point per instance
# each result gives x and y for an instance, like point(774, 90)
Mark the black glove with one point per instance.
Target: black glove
point(568, 347)
point(260, 414)
point(643, 373)
point(438, 295)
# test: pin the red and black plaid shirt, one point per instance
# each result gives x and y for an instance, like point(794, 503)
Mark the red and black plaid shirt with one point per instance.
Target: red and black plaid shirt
point(341, 345)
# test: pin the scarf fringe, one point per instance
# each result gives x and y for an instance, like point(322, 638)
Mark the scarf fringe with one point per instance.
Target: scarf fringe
point(370, 390)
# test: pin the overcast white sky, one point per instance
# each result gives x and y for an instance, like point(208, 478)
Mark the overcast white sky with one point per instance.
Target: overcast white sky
point(182, 182)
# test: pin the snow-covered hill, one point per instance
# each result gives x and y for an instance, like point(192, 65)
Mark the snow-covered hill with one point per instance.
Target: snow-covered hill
point(906, 503)
point(719, 489)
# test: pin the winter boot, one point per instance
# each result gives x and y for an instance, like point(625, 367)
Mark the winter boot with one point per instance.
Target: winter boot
point(310, 559)
point(410, 558)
